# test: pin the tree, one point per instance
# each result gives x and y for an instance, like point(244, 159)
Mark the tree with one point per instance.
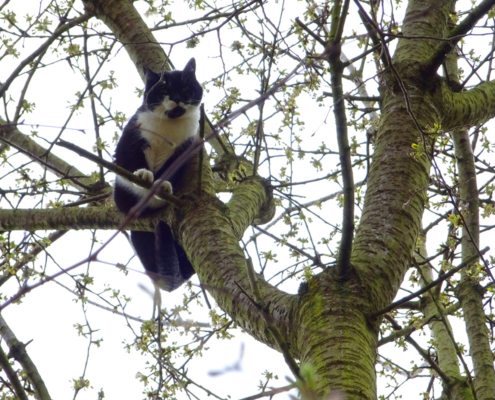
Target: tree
point(431, 176)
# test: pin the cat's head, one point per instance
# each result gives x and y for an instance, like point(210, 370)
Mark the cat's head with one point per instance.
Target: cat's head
point(172, 94)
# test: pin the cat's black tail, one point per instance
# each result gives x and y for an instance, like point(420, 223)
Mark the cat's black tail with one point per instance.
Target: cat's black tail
point(164, 260)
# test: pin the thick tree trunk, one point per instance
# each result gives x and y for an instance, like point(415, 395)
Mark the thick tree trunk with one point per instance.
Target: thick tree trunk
point(129, 28)
point(335, 339)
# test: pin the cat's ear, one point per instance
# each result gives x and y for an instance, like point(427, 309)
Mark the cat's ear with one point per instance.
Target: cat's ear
point(151, 76)
point(147, 70)
point(189, 69)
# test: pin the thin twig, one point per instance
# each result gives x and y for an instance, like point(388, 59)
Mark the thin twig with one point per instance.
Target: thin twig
point(46, 164)
point(430, 285)
point(61, 29)
point(344, 267)
point(356, 98)
point(118, 170)
point(296, 249)
point(421, 351)
point(88, 200)
point(269, 393)
point(92, 101)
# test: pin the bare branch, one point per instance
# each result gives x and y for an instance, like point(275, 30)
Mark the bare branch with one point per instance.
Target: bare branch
point(61, 29)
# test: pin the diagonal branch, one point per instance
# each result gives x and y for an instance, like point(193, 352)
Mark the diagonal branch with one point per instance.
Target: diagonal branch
point(270, 393)
point(430, 285)
point(407, 330)
point(18, 351)
point(373, 31)
point(34, 151)
point(421, 351)
point(118, 170)
point(40, 50)
point(456, 34)
point(127, 25)
point(12, 376)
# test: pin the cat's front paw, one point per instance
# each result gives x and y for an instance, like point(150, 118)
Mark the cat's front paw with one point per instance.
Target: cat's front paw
point(145, 174)
point(165, 187)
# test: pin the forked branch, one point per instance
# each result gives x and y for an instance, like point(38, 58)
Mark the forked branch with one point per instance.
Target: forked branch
point(457, 34)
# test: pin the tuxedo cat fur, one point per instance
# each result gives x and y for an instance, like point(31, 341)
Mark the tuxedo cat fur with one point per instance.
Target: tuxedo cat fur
point(159, 133)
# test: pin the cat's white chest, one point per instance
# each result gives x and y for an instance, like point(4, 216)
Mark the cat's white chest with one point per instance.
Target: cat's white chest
point(164, 135)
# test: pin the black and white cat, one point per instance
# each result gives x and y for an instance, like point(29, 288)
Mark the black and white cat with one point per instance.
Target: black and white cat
point(161, 130)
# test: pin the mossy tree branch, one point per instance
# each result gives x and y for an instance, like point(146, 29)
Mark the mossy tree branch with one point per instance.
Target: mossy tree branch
point(211, 242)
point(251, 202)
point(436, 315)
point(469, 291)
point(394, 202)
point(469, 108)
point(456, 34)
point(12, 376)
point(18, 351)
point(209, 231)
point(129, 29)
point(71, 218)
point(54, 164)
